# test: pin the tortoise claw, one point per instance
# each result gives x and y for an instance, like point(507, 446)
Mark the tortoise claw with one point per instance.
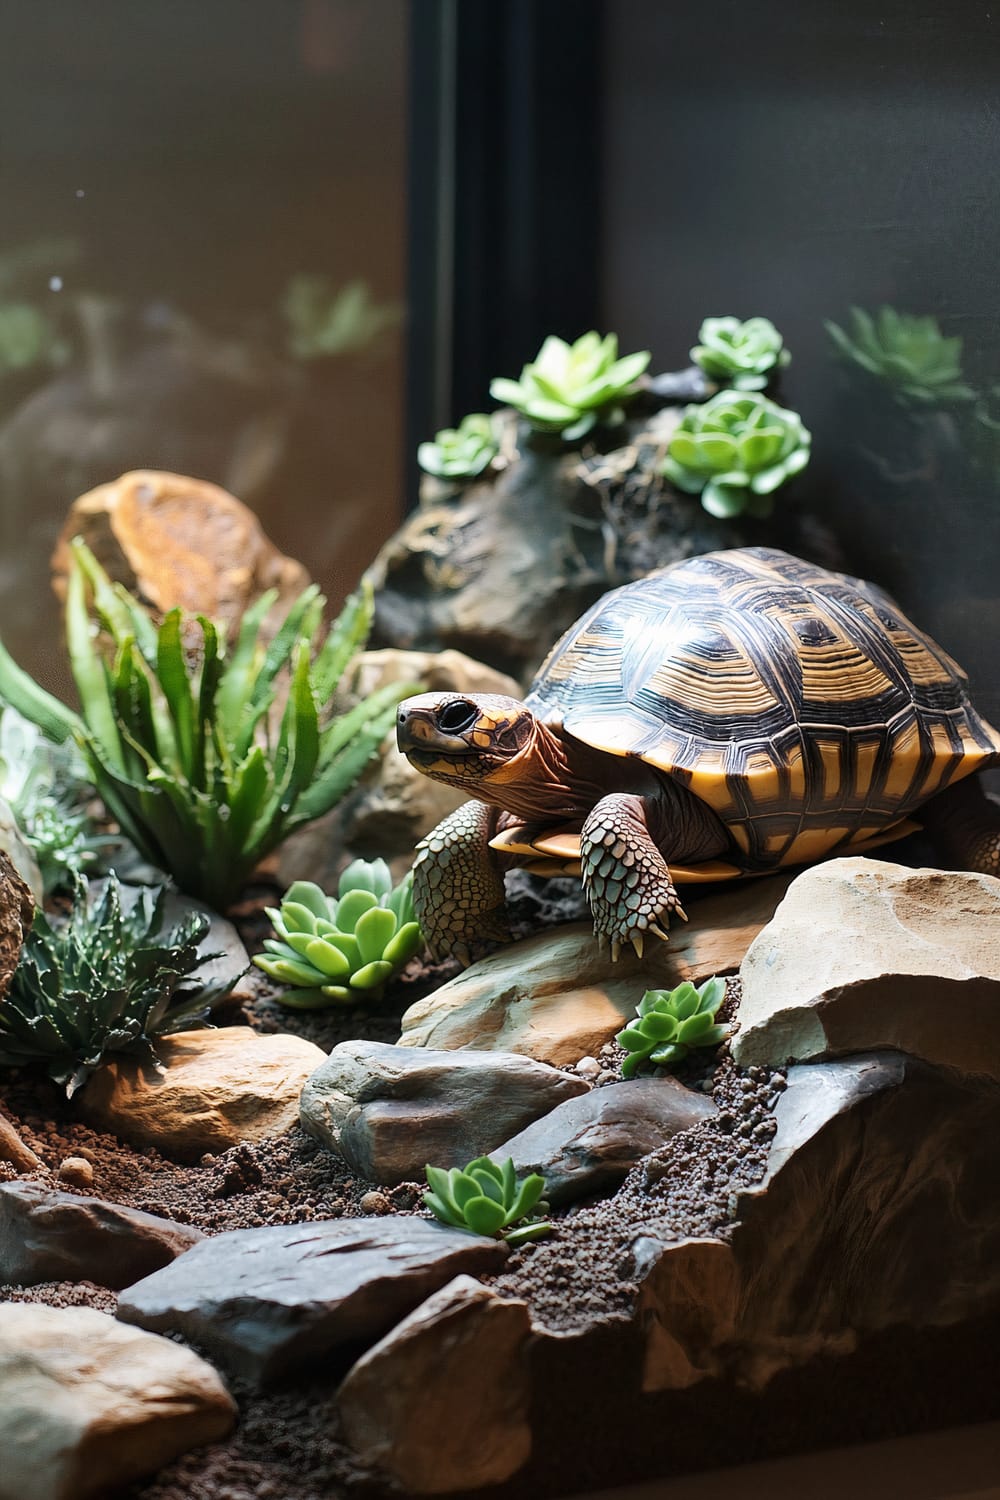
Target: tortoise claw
point(637, 944)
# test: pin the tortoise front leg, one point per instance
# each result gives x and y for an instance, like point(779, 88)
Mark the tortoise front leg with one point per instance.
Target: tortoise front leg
point(458, 892)
point(625, 876)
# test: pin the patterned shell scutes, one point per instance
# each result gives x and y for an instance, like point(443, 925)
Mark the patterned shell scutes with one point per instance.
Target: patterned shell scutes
point(800, 704)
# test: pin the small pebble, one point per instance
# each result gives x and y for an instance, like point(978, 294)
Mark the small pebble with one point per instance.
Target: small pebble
point(374, 1203)
point(77, 1171)
point(588, 1067)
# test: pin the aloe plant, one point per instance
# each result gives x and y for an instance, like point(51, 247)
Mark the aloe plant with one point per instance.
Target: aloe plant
point(735, 451)
point(339, 950)
point(669, 1023)
point(105, 980)
point(744, 356)
point(181, 744)
point(461, 452)
point(569, 388)
point(484, 1198)
point(909, 355)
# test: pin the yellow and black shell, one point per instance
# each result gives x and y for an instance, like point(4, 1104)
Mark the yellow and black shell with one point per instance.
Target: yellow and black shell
point(801, 705)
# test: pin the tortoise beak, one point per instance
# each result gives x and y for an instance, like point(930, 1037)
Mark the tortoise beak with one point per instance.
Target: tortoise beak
point(417, 732)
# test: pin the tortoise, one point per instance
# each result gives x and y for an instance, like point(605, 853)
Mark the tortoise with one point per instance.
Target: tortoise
point(728, 715)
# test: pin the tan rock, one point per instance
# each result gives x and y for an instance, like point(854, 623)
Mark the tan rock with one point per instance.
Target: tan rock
point(442, 1401)
point(14, 1150)
point(863, 954)
point(88, 1405)
point(17, 912)
point(179, 541)
point(557, 998)
point(220, 1088)
point(20, 854)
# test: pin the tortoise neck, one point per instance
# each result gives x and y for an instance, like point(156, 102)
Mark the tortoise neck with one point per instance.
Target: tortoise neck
point(557, 781)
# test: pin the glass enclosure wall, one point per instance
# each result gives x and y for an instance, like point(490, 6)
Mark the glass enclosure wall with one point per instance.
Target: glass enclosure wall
point(202, 263)
point(800, 160)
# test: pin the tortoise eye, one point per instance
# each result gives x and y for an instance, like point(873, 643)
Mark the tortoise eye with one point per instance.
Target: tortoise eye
point(456, 717)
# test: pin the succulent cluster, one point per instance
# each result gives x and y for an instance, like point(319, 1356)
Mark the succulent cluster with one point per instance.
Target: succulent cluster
point(461, 452)
point(106, 979)
point(742, 355)
point(735, 451)
point(182, 744)
point(669, 1023)
point(568, 388)
point(909, 355)
point(485, 1198)
point(334, 951)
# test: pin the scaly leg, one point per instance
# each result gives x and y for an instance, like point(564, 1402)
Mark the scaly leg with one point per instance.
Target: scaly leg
point(458, 892)
point(625, 876)
point(965, 825)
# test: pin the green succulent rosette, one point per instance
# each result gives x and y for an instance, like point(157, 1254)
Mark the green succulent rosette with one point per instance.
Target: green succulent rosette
point(908, 354)
point(671, 1023)
point(461, 452)
point(743, 355)
point(486, 1198)
point(569, 388)
point(735, 451)
point(341, 950)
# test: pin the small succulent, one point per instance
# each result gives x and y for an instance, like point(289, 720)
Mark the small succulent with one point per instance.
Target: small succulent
point(27, 338)
point(485, 1198)
point(669, 1023)
point(461, 452)
point(570, 387)
point(908, 354)
point(332, 951)
point(105, 980)
point(323, 320)
point(744, 356)
point(735, 450)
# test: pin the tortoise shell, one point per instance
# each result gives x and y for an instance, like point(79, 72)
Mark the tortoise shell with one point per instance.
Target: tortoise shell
point(801, 705)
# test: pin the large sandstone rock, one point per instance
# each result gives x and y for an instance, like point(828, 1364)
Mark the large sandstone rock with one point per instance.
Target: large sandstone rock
point(273, 1301)
point(442, 1401)
point(179, 541)
point(863, 954)
point(88, 1405)
point(220, 1088)
point(879, 1209)
point(17, 912)
point(390, 1110)
point(557, 998)
point(589, 1145)
point(48, 1235)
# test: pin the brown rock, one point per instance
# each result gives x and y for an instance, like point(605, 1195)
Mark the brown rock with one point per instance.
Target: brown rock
point(863, 954)
point(88, 1405)
point(17, 912)
point(77, 1171)
point(14, 1150)
point(179, 541)
point(442, 1401)
point(220, 1088)
point(557, 998)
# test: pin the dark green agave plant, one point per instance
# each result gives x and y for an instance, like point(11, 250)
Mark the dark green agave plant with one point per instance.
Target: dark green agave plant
point(744, 356)
point(569, 388)
point(105, 980)
point(337, 951)
point(735, 451)
point(669, 1023)
point(461, 452)
point(909, 355)
point(484, 1198)
point(181, 744)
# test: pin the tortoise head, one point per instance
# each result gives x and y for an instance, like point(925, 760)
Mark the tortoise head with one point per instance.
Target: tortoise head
point(478, 742)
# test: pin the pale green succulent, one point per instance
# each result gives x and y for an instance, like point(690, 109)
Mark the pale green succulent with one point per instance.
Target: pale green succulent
point(735, 451)
point(343, 949)
point(669, 1023)
point(461, 452)
point(325, 320)
point(908, 354)
point(742, 355)
point(484, 1198)
point(569, 388)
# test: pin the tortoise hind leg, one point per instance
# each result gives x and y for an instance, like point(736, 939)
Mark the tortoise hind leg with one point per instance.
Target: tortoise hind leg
point(965, 826)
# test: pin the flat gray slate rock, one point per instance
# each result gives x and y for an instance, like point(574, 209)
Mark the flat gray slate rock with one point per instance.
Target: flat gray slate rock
point(270, 1301)
point(590, 1144)
point(48, 1235)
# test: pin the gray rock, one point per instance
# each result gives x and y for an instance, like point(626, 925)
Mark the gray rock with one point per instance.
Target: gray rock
point(442, 1401)
point(863, 954)
point(48, 1235)
point(391, 1110)
point(88, 1405)
point(275, 1300)
point(878, 1209)
point(590, 1144)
